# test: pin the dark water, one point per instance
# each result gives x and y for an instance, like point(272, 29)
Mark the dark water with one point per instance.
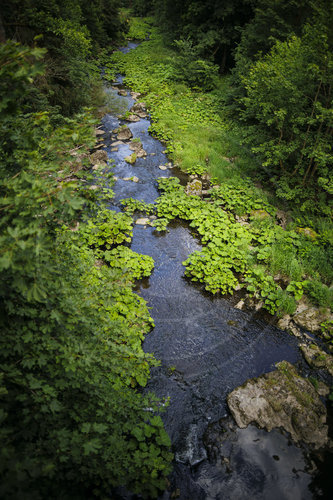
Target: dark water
point(207, 348)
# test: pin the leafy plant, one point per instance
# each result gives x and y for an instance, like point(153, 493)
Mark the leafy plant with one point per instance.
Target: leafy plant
point(106, 229)
point(125, 259)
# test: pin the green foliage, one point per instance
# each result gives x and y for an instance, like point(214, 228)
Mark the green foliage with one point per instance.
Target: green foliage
point(139, 28)
point(132, 205)
point(125, 259)
point(262, 286)
point(69, 31)
point(71, 359)
point(289, 116)
point(160, 224)
point(106, 228)
point(319, 293)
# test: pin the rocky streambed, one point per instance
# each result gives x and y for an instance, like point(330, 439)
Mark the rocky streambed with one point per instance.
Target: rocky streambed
point(216, 360)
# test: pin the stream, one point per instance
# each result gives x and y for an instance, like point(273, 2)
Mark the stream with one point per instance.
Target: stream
point(207, 348)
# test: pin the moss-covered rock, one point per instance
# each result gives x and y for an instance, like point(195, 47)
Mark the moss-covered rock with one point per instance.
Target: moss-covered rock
point(281, 398)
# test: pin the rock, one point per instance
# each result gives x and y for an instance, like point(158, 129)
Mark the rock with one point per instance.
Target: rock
point(99, 132)
point(286, 323)
point(143, 221)
point(117, 143)
point(98, 157)
point(138, 149)
point(132, 118)
point(133, 179)
point(124, 134)
point(96, 167)
point(131, 159)
point(317, 358)
point(93, 187)
point(240, 304)
point(281, 399)
point(135, 95)
point(141, 153)
point(142, 114)
point(310, 317)
point(138, 107)
point(163, 167)
point(194, 188)
point(114, 150)
point(122, 92)
point(322, 389)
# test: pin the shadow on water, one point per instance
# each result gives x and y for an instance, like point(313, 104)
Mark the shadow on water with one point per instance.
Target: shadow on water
point(206, 348)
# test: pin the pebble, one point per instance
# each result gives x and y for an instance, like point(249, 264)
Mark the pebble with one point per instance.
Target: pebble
point(162, 167)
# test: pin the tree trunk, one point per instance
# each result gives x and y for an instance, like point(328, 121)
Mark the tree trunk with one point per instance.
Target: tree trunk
point(2, 31)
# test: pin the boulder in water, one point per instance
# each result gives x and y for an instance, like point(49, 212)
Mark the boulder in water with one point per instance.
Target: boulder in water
point(281, 398)
point(98, 157)
point(124, 133)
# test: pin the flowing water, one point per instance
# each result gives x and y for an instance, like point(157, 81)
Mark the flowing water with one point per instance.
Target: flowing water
point(206, 348)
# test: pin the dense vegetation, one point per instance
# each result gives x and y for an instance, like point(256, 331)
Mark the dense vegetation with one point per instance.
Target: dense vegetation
point(250, 243)
point(280, 87)
point(74, 422)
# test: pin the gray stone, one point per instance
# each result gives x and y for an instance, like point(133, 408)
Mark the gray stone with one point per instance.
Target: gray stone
point(310, 317)
point(122, 92)
point(163, 167)
point(143, 221)
point(132, 118)
point(124, 134)
point(317, 358)
point(99, 132)
point(98, 157)
point(281, 398)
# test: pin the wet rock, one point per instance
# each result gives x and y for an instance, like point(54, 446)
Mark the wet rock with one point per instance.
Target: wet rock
point(122, 92)
point(310, 317)
point(139, 109)
point(114, 150)
point(133, 179)
point(132, 118)
point(141, 153)
point(124, 133)
point(163, 167)
point(131, 159)
point(240, 305)
point(138, 149)
point(117, 143)
point(98, 157)
point(281, 399)
point(143, 221)
point(317, 358)
point(135, 95)
point(194, 188)
point(142, 114)
point(99, 132)
point(286, 323)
